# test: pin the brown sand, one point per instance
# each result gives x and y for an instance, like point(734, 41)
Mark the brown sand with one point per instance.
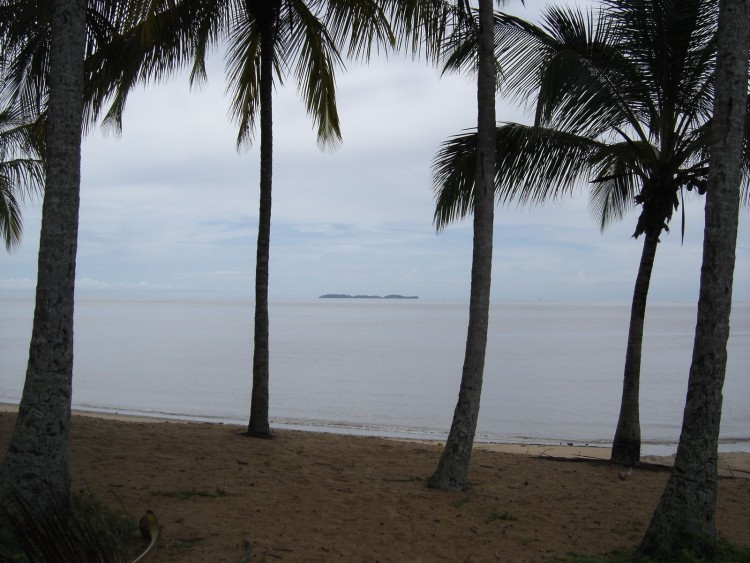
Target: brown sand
point(307, 496)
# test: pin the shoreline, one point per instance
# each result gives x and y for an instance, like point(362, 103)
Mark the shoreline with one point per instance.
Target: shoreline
point(655, 449)
point(731, 464)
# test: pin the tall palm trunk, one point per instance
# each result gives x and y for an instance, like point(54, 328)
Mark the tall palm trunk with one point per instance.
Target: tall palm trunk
point(626, 447)
point(453, 466)
point(258, 425)
point(685, 515)
point(37, 461)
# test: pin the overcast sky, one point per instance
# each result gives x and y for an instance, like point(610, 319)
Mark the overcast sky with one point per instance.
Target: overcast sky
point(169, 208)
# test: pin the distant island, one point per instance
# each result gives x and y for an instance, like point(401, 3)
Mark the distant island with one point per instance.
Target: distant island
point(347, 296)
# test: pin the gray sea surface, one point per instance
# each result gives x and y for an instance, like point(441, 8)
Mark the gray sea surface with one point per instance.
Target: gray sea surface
point(387, 367)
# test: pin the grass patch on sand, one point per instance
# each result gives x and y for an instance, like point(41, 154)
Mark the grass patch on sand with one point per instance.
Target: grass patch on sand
point(190, 493)
point(504, 516)
point(32, 530)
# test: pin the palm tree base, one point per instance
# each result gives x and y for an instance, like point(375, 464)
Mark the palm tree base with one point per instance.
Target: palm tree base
point(255, 434)
point(450, 475)
point(680, 521)
point(445, 483)
point(626, 452)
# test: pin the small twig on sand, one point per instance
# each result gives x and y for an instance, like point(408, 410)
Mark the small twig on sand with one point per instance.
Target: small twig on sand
point(248, 551)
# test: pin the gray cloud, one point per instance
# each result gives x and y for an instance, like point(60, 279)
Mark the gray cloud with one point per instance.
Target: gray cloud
point(171, 206)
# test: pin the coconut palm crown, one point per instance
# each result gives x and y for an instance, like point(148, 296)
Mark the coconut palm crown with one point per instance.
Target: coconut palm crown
point(623, 101)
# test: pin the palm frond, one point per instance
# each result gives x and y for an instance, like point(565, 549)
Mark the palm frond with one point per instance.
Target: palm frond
point(21, 169)
point(672, 45)
point(421, 26)
point(11, 221)
point(154, 44)
point(317, 58)
point(559, 64)
point(24, 35)
point(460, 51)
point(243, 75)
point(745, 186)
point(617, 178)
point(209, 28)
point(533, 165)
point(453, 171)
point(358, 25)
point(537, 164)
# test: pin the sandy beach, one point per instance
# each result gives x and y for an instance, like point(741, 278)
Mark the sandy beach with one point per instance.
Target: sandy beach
point(307, 496)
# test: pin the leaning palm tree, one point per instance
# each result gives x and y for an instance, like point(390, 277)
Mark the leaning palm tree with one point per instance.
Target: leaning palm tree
point(21, 169)
point(685, 515)
point(453, 467)
point(434, 27)
point(623, 101)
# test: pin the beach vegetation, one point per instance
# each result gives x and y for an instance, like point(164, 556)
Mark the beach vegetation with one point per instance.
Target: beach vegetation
point(622, 100)
point(81, 529)
point(191, 493)
point(504, 516)
point(460, 502)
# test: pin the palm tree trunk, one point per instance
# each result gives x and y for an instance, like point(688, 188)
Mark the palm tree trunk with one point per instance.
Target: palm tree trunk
point(685, 515)
point(453, 466)
point(37, 461)
point(626, 446)
point(258, 425)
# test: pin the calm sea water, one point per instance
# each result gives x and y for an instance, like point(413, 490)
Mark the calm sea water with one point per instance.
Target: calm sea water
point(553, 372)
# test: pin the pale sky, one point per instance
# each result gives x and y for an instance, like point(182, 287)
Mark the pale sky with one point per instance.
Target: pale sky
point(170, 208)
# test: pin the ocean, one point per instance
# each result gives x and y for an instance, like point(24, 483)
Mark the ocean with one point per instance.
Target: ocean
point(387, 367)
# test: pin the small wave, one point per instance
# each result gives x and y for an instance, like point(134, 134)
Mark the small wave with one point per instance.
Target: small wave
point(649, 446)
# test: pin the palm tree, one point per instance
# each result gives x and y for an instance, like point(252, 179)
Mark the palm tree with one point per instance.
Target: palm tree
point(37, 458)
point(685, 515)
point(21, 169)
point(453, 465)
point(44, 45)
point(267, 41)
point(623, 100)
